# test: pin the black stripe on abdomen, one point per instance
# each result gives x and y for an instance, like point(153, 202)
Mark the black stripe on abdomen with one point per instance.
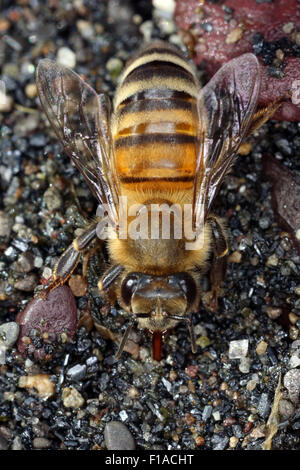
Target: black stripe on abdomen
point(159, 69)
point(137, 179)
point(158, 94)
point(144, 139)
point(155, 104)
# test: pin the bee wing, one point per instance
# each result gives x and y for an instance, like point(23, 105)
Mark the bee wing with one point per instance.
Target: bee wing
point(80, 118)
point(225, 107)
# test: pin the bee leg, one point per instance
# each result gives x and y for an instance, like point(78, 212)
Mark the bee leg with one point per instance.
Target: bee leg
point(104, 285)
point(264, 114)
point(70, 258)
point(110, 276)
point(124, 339)
point(218, 266)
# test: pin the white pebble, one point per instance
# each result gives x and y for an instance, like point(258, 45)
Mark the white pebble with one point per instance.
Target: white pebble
point(238, 349)
point(85, 28)
point(6, 102)
point(294, 361)
point(146, 29)
point(38, 262)
point(123, 415)
point(66, 57)
point(2, 354)
point(167, 6)
point(244, 365)
point(216, 416)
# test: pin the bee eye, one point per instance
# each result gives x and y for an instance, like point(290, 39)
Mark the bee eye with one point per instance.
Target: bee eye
point(188, 285)
point(128, 287)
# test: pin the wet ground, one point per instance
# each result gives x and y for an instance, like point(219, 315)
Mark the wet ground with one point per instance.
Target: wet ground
point(221, 397)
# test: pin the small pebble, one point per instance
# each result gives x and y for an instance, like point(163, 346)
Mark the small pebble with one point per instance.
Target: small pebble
point(264, 223)
point(31, 90)
point(273, 312)
point(258, 432)
point(291, 381)
point(66, 57)
point(261, 347)
point(41, 382)
point(133, 392)
point(123, 415)
point(114, 67)
point(293, 318)
point(24, 263)
point(284, 146)
point(2, 354)
point(234, 36)
point(238, 349)
point(264, 405)
point(251, 385)
point(216, 415)
point(9, 333)
point(6, 224)
point(118, 437)
point(77, 372)
point(72, 398)
point(167, 5)
point(27, 284)
point(41, 443)
point(272, 260)
point(17, 443)
point(235, 257)
point(294, 361)
point(146, 29)
point(286, 408)
point(287, 28)
point(244, 365)
point(206, 413)
point(4, 445)
point(6, 102)
point(222, 443)
point(203, 342)
point(85, 28)
point(293, 332)
point(53, 199)
point(233, 441)
point(191, 371)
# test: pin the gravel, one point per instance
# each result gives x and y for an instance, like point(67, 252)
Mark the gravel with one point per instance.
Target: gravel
point(118, 437)
point(9, 333)
point(210, 400)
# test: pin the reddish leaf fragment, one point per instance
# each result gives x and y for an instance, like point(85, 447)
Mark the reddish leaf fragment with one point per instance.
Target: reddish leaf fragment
point(285, 195)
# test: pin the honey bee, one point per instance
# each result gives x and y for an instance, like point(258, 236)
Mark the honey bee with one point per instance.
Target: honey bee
point(167, 141)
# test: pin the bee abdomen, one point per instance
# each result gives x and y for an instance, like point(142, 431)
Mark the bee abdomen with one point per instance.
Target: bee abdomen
point(154, 124)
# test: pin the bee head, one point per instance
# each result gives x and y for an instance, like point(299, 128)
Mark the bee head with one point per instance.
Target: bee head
point(159, 302)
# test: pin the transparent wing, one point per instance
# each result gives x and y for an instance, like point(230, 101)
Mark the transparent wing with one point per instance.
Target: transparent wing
point(80, 118)
point(225, 107)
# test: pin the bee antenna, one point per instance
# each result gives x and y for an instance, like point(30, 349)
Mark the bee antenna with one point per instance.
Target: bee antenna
point(124, 339)
point(189, 323)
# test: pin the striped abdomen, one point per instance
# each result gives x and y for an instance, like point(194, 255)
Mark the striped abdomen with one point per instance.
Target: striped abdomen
point(154, 123)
